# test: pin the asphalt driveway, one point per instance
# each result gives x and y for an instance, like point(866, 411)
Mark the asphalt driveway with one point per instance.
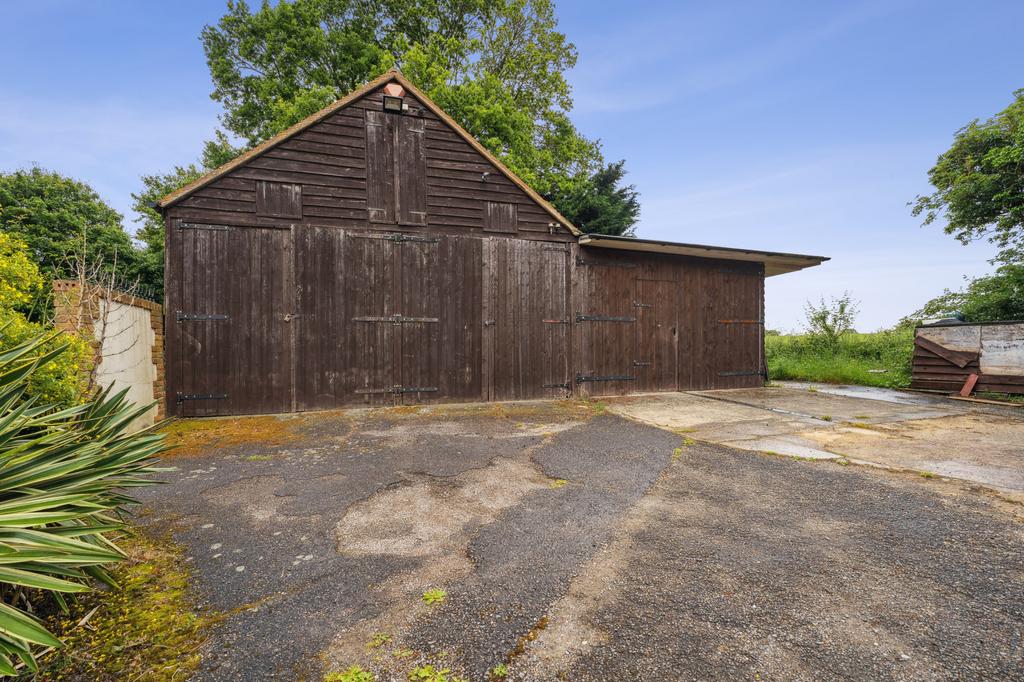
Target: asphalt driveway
point(576, 544)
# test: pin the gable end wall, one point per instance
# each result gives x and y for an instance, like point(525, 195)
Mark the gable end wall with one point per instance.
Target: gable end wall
point(329, 165)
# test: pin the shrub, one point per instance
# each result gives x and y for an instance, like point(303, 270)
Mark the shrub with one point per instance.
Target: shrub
point(60, 380)
point(63, 476)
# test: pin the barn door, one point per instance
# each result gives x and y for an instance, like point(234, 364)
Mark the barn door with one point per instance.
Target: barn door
point(655, 362)
point(420, 273)
point(372, 282)
point(233, 320)
point(738, 321)
point(527, 319)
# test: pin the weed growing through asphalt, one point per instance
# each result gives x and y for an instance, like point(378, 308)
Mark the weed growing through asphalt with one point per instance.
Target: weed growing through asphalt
point(402, 654)
point(428, 673)
point(825, 417)
point(499, 672)
point(859, 425)
point(862, 417)
point(436, 596)
point(926, 474)
point(353, 674)
point(259, 458)
point(557, 483)
point(379, 640)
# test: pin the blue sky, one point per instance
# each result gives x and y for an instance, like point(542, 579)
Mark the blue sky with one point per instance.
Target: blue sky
point(797, 126)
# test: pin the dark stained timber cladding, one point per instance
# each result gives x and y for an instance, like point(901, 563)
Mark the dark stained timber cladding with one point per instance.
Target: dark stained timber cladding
point(411, 173)
point(244, 273)
point(380, 259)
point(380, 168)
point(500, 217)
point(278, 199)
point(529, 307)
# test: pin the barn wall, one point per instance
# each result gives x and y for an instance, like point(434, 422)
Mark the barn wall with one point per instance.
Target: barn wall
point(647, 322)
point(379, 259)
point(309, 317)
point(320, 177)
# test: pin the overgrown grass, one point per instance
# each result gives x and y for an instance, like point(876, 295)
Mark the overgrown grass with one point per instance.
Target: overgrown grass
point(806, 358)
point(147, 629)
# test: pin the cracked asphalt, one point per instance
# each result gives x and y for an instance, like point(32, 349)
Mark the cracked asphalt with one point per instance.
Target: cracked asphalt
point(584, 546)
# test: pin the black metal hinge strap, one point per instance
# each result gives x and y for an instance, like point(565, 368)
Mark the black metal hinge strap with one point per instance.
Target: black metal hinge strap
point(199, 317)
point(580, 317)
point(182, 397)
point(396, 319)
point(201, 226)
point(741, 321)
point(615, 377)
point(740, 373)
point(399, 389)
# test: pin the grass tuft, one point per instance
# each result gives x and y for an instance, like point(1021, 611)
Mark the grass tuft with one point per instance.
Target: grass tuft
point(435, 596)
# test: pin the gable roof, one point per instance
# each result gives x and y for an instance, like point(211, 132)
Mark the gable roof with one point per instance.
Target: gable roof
point(387, 77)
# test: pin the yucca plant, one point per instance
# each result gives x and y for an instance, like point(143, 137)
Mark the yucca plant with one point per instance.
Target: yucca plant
point(63, 480)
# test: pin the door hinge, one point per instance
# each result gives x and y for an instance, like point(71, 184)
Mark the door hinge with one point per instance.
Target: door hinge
point(614, 377)
point(182, 397)
point(580, 317)
point(199, 317)
point(400, 237)
point(396, 319)
point(399, 389)
point(202, 226)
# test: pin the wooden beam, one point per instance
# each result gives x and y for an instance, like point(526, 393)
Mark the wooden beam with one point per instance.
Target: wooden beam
point(958, 358)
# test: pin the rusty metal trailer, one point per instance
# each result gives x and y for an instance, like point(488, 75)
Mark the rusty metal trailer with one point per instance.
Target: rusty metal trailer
point(376, 253)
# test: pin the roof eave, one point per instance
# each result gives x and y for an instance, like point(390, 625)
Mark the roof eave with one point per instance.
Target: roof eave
point(775, 263)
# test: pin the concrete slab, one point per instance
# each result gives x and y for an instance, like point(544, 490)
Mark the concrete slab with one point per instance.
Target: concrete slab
point(896, 429)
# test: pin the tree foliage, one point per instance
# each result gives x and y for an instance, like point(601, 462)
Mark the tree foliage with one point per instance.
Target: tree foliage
point(496, 66)
point(999, 296)
point(56, 215)
point(601, 204)
point(979, 183)
point(59, 380)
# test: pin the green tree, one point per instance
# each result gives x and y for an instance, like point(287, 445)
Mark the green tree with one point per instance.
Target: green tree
point(496, 66)
point(55, 215)
point(151, 224)
point(999, 296)
point(979, 183)
point(601, 204)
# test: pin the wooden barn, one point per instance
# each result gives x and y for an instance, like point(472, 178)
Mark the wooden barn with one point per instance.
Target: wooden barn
point(375, 253)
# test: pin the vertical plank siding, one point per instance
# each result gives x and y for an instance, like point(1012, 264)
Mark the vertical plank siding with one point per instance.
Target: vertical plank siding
point(378, 259)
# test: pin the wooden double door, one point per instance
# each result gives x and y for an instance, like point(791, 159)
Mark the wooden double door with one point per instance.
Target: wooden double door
point(271, 320)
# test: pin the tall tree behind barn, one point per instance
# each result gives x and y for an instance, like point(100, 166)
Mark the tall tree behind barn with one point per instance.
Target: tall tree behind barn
point(375, 253)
